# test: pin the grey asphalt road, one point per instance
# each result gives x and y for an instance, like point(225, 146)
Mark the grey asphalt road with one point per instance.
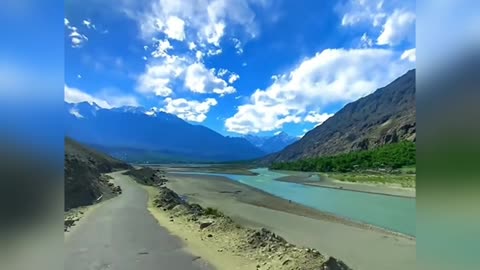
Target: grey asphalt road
point(121, 234)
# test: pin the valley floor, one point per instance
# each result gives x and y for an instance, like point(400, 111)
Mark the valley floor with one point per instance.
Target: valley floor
point(360, 246)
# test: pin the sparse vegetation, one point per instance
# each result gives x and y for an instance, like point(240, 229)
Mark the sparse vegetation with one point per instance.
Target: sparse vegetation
point(213, 212)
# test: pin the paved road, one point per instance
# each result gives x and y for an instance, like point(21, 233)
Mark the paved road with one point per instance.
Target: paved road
point(120, 234)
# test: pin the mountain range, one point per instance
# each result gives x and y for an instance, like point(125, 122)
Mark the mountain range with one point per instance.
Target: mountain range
point(271, 144)
point(128, 133)
point(383, 117)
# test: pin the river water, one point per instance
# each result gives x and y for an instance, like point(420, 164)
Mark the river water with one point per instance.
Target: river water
point(390, 212)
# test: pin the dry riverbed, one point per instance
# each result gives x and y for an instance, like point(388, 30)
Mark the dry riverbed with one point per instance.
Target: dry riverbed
point(228, 245)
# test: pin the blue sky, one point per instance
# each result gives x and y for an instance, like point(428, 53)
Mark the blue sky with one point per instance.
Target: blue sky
point(236, 66)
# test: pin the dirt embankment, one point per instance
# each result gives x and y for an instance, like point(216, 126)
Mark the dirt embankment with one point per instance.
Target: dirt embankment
point(84, 182)
point(262, 248)
point(147, 176)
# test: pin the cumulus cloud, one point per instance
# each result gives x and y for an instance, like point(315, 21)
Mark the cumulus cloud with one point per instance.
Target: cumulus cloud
point(162, 76)
point(398, 26)
point(201, 22)
point(233, 77)
point(159, 78)
point(409, 55)
point(360, 11)
point(201, 80)
point(175, 28)
point(199, 55)
point(332, 76)
point(161, 48)
point(189, 110)
point(395, 21)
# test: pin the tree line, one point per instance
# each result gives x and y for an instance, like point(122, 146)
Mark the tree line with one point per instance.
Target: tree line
point(391, 156)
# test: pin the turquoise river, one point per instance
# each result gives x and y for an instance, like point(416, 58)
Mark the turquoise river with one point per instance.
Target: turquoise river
point(390, 212)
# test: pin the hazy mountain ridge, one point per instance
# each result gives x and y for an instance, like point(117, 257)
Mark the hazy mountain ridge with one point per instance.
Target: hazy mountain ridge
point(383, 117)
point(161, 136)
point(271, 144)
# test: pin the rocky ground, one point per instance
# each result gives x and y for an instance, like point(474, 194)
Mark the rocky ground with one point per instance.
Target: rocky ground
point(268, 250)
point(73, 215)
point(147, 176)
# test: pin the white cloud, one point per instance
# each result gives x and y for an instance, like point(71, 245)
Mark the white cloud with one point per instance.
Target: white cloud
point(395, 20)
point(75, 95)
point(317, 118)
point(192, 46)
point(214, 32)
point(330, 77)
point(189, 110)
point(159, 77)
point(214, 52)
point(366, 41)
point(76, 38)
point(162, 46)
point(202, 22)
point(409, 55)
point(199, 55)
point(238, 45)
point(88, 24)
point(79, 76)
point(360, 11)
point(74, 111)
point(201, 80)
point(278, 132)
point(222, 72)
point(398, 26)
point(304, 132)
point(233, 77)
point(106, 98)
point(175, 28)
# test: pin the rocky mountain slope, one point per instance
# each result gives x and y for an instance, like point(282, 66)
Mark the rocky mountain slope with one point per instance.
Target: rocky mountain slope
point(132, 135)
point(271, 144)
point(383, 117)
point(83, 180)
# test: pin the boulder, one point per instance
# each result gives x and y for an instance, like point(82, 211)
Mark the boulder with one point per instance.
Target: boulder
point(205, 223)
point(334, 264)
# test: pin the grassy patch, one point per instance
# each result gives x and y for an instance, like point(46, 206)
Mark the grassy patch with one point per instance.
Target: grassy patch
point(402, 179)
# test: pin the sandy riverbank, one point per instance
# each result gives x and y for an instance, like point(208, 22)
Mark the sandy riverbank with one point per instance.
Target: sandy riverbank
point(313, 180)
point(358, 246)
